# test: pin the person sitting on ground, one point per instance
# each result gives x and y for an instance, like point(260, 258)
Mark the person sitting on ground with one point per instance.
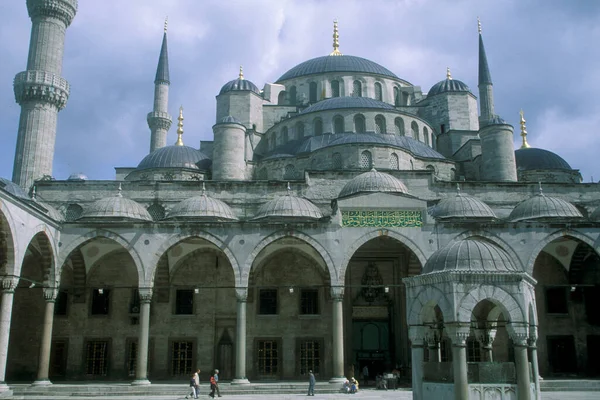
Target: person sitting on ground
point(353, 385)
point(345, 387)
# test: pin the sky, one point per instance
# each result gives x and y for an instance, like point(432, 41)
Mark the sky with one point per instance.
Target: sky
point(543, 57)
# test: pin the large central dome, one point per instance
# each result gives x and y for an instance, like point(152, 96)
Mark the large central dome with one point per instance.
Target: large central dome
point(340, 63)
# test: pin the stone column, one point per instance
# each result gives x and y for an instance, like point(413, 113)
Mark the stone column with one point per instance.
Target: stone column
point(337, 295)
point(534, 366)
point(459, 334)
point(9, 285)
point(519, 336)
point(417, 340)
point(44, 360)
point(141, 366)
point(240, 338)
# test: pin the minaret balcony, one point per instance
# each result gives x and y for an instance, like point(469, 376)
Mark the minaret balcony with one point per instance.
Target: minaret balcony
point(64, 10)
point(41, 86)
point(159, 119)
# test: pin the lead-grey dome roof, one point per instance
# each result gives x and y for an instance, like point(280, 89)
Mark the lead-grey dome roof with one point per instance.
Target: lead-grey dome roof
point(532, 158)
point(13, 188)
point(342, 63)
point(173, 157)
point(347, 102)
point(238, 85)
point(541, 206)
point(373, 181)
point(202, 207)
point(116, 208)
point(289, 206)
point(472, 254)
point(78, 176)
point(448, 85)
point(462, 206)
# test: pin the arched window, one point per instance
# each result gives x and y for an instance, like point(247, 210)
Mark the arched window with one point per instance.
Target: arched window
point(335, 88)
point(299, 130)
point(359, 123)
point(396, 96)
point(426, 135)
point(318, 127)
point(378, 91)
point(156, 211)
point(338, 124)
point(262, 174)
point(380, 124)
point(356, 89)
point(281, 98)
point(289, 172)
point(336, 160)
point(415, 131)
point(399, 126)
point(292, 96)
point(73, 212)
point(394, 162)
point(366, 161)
point(312, 93)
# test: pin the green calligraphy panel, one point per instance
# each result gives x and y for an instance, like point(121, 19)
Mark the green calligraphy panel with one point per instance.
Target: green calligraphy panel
point(382, 219)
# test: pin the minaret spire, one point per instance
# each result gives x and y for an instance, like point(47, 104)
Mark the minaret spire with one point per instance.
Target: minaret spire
point(336, 43)
point(179, 141)
point(525, 145)
point(159, 119)
point(486, 93)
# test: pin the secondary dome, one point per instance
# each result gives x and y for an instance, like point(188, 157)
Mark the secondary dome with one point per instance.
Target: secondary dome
point(174, 156)
point(448, 85)
point(462, 206)
point(541, 206)
point(347, 102)
point(116, 207)
point(531, 159)
point(340, 63)
point(239, 85)
point(373, 182)
point(471, 254)
point(13, 188)
point(77, 177)
point(201, 207)
point(289, 206)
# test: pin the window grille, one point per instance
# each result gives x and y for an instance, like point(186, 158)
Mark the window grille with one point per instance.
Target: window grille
point(378, 92)
point(399, 124)
point(359, 124)
point(96, 357)
point(473, 350)
point(262, 174)
point(394, 163)
point(365, 160)
point(379, 124)
point(131, 357)
point(268, 354)
point(289, 172)
point(156, 211)
point(182, 358)
point(310, 357)
point(337, 161)
point(73, 212)
point(356, 89)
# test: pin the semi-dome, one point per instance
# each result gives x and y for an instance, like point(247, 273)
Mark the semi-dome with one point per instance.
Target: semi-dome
point(78, 176)
point(239, 85)
point(373, 181)
point(338, 63)
point(347, 102)
point(289, 206)
point(174, 156)
point(202, 207)
point(472, 255)
point(116, 208)
point(448, 85)
point(541, 206)
point(532, 159)
point(462, 206)
point(13, 188)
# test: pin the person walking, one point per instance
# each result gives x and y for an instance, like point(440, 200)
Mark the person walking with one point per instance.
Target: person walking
point(311, 383)
point(365, 374)
point(213, 386)
point(216, 376)
point(195, 385)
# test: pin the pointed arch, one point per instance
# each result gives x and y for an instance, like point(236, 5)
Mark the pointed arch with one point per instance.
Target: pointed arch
point(535, 252)
point(501, 298)
point(422, 305)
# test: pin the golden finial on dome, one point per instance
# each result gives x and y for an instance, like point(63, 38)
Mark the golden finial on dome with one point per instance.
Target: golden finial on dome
point(166, 23)
point(525, 145)
point(478, 25)
point(336, 43)
point(241, 76)
point(179, 141)
point(448, 74)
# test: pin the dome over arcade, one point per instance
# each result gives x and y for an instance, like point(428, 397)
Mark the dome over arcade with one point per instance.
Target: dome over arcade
point(335, 103)
point(202, 207)
point(541, 206)
point(289, 206)
point(373, 181)
point(240, 84)
point(448, 85)
point(13, 188)
point(471, 255)
point(462, 206)
point(116, 208)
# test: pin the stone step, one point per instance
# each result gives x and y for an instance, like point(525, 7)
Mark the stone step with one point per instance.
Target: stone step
point(569, 385)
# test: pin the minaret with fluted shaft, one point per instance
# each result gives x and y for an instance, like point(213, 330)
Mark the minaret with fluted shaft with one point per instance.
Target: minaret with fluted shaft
point(159, 119)
point(486, 87)
point(40, 90)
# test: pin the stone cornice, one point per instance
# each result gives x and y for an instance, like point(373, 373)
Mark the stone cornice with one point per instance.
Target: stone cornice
point(63, 10)
point(41, 86)
point(479, 277)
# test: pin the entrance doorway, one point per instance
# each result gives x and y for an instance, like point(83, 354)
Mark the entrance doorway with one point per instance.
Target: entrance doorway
point(561, 354)
point(371, 348)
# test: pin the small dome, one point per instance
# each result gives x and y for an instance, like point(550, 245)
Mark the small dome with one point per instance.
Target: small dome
point(51, 211)
point(201, 207)
point(541, 206)
point(336, 64)
point(373, 182)
point(13, 188)
point(289, 206)
point(238, 85)
point(448, 85)
point(116, 207)
point(173, 157)
point(229, 120)
point(532, 159)
point(471, 254)
point(335, 103)
point(77, 177)
point(462, 206)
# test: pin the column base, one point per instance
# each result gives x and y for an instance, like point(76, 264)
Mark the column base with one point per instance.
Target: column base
point(41, 382)
point(240, 381)
point(140, 382)
point(337, 380)
point(4, 388)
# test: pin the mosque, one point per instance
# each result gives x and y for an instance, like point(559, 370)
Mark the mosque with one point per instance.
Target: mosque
point(341, 217)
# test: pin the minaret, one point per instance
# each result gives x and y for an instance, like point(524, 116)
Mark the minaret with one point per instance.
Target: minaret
point(486, 87)
point(40, 90)
point(159, 119)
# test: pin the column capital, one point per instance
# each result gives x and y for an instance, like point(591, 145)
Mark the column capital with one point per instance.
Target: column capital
point(145, 295)
point(432, 337)
point(458, 334)
point(337, 293)
point(519, 333)
point(241, 294)
point(416, 334)
point(485, 336)
point(9, 283)
point(50, 294)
